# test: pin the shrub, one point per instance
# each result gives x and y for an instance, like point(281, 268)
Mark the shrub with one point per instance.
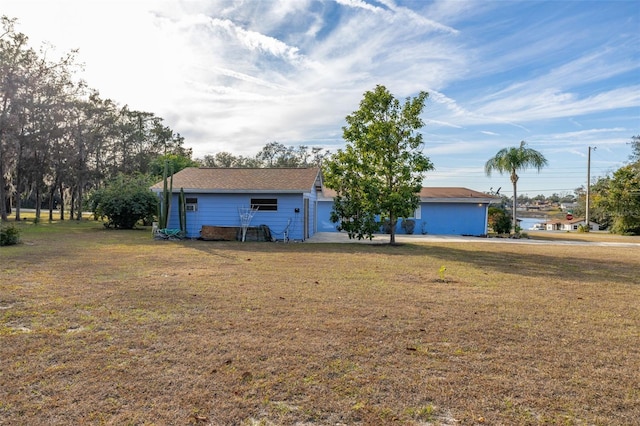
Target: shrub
point(409, 225)
point(499, 220)
point(124, 201)
point(9, 235)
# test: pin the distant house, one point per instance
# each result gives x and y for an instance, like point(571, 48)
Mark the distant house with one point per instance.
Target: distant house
point(567, 207)
point(284, 199)
point(442, 211)
point(569, 225)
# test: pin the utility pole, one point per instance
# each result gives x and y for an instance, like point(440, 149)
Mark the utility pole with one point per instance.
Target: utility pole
point(588, 188)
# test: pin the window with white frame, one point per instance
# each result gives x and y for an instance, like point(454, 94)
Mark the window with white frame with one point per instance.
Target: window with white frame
point(418, 213)
point(191, 204)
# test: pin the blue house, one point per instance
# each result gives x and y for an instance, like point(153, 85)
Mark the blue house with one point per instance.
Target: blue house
point(442, 211)
point(282, 199)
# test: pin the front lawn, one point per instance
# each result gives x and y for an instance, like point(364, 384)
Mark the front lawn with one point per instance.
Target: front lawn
point(105, 326)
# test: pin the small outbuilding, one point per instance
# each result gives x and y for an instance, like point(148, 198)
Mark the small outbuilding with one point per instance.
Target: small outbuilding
point(282, 200)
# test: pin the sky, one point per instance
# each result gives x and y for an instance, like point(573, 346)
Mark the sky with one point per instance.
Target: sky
point(234, 75)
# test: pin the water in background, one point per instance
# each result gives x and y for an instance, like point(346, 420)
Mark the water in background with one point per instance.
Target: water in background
point(528, 222)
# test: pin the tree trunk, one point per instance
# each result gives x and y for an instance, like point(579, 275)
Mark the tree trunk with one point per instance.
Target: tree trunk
point(61, 189)
point(3, 194)
point(73, 204)
point(51, 198)
point(52, 194)
point(79, 213)
point(18, 178)
point(392, 229)
point(3, 184)
point(38, 207)
point(514, 180)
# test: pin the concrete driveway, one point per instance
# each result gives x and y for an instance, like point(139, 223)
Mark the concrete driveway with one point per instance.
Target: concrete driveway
point(341, 237)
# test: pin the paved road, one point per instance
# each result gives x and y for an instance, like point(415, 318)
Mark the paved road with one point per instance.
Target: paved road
point(339, 237)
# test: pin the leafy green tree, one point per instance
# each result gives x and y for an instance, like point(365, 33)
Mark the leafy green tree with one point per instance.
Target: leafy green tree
point(17, 61)
point(512, 160)
point(599, 209)
point(499, 220)
point(59, 138)
point(615, 199)
point(624, 200)
point(635, 148)
point(124, 201)
point(176, 163)
point(380, 171)
point(273, 154)
point(221, 159)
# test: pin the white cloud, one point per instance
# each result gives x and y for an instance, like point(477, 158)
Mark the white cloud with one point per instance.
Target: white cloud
point(360, 4)
point(548, 103)
point(232, 75)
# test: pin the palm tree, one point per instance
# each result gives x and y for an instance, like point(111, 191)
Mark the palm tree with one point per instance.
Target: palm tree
point(511, 160)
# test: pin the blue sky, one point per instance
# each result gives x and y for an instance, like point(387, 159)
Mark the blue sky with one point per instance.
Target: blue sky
point(233, 75)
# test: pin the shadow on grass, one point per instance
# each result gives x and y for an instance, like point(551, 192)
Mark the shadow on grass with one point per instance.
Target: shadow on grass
point(46, 242)
point(558, 264)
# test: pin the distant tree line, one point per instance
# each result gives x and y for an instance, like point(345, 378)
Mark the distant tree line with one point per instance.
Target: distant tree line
point(273, 154)
point(58, 138)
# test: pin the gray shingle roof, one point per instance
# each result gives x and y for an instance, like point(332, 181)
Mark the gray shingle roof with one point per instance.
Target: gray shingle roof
point(451, 192)
point(195, 179)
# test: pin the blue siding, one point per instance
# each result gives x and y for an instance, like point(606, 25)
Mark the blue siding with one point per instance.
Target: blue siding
point(452, 219)
point(311, 221)
point(324, 215)
point(435, 219)
point(222, 210)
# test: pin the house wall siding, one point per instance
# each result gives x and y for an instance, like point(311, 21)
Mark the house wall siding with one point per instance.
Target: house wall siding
point(453, 219)
point(324, 215)
point(435, 219)
point(222, 210)
point(313, 205)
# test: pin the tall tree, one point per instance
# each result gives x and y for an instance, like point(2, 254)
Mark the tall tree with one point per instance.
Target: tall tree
point(635, 148)
point(93, 128)
point(55, 138)
point(221, 159)
point(381, 169)
point(512, 160)
point(16, 59)
point(623, 199)
point(600, 210)
point(177, 163)
point(270, 153)
point(43, 117)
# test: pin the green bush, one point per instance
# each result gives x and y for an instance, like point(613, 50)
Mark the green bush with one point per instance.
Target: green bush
point(499, 220)
point(125, 200)
point(9, 235)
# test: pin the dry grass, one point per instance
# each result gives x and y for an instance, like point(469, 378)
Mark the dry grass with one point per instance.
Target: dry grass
point(112, 327)
point(594, 236)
